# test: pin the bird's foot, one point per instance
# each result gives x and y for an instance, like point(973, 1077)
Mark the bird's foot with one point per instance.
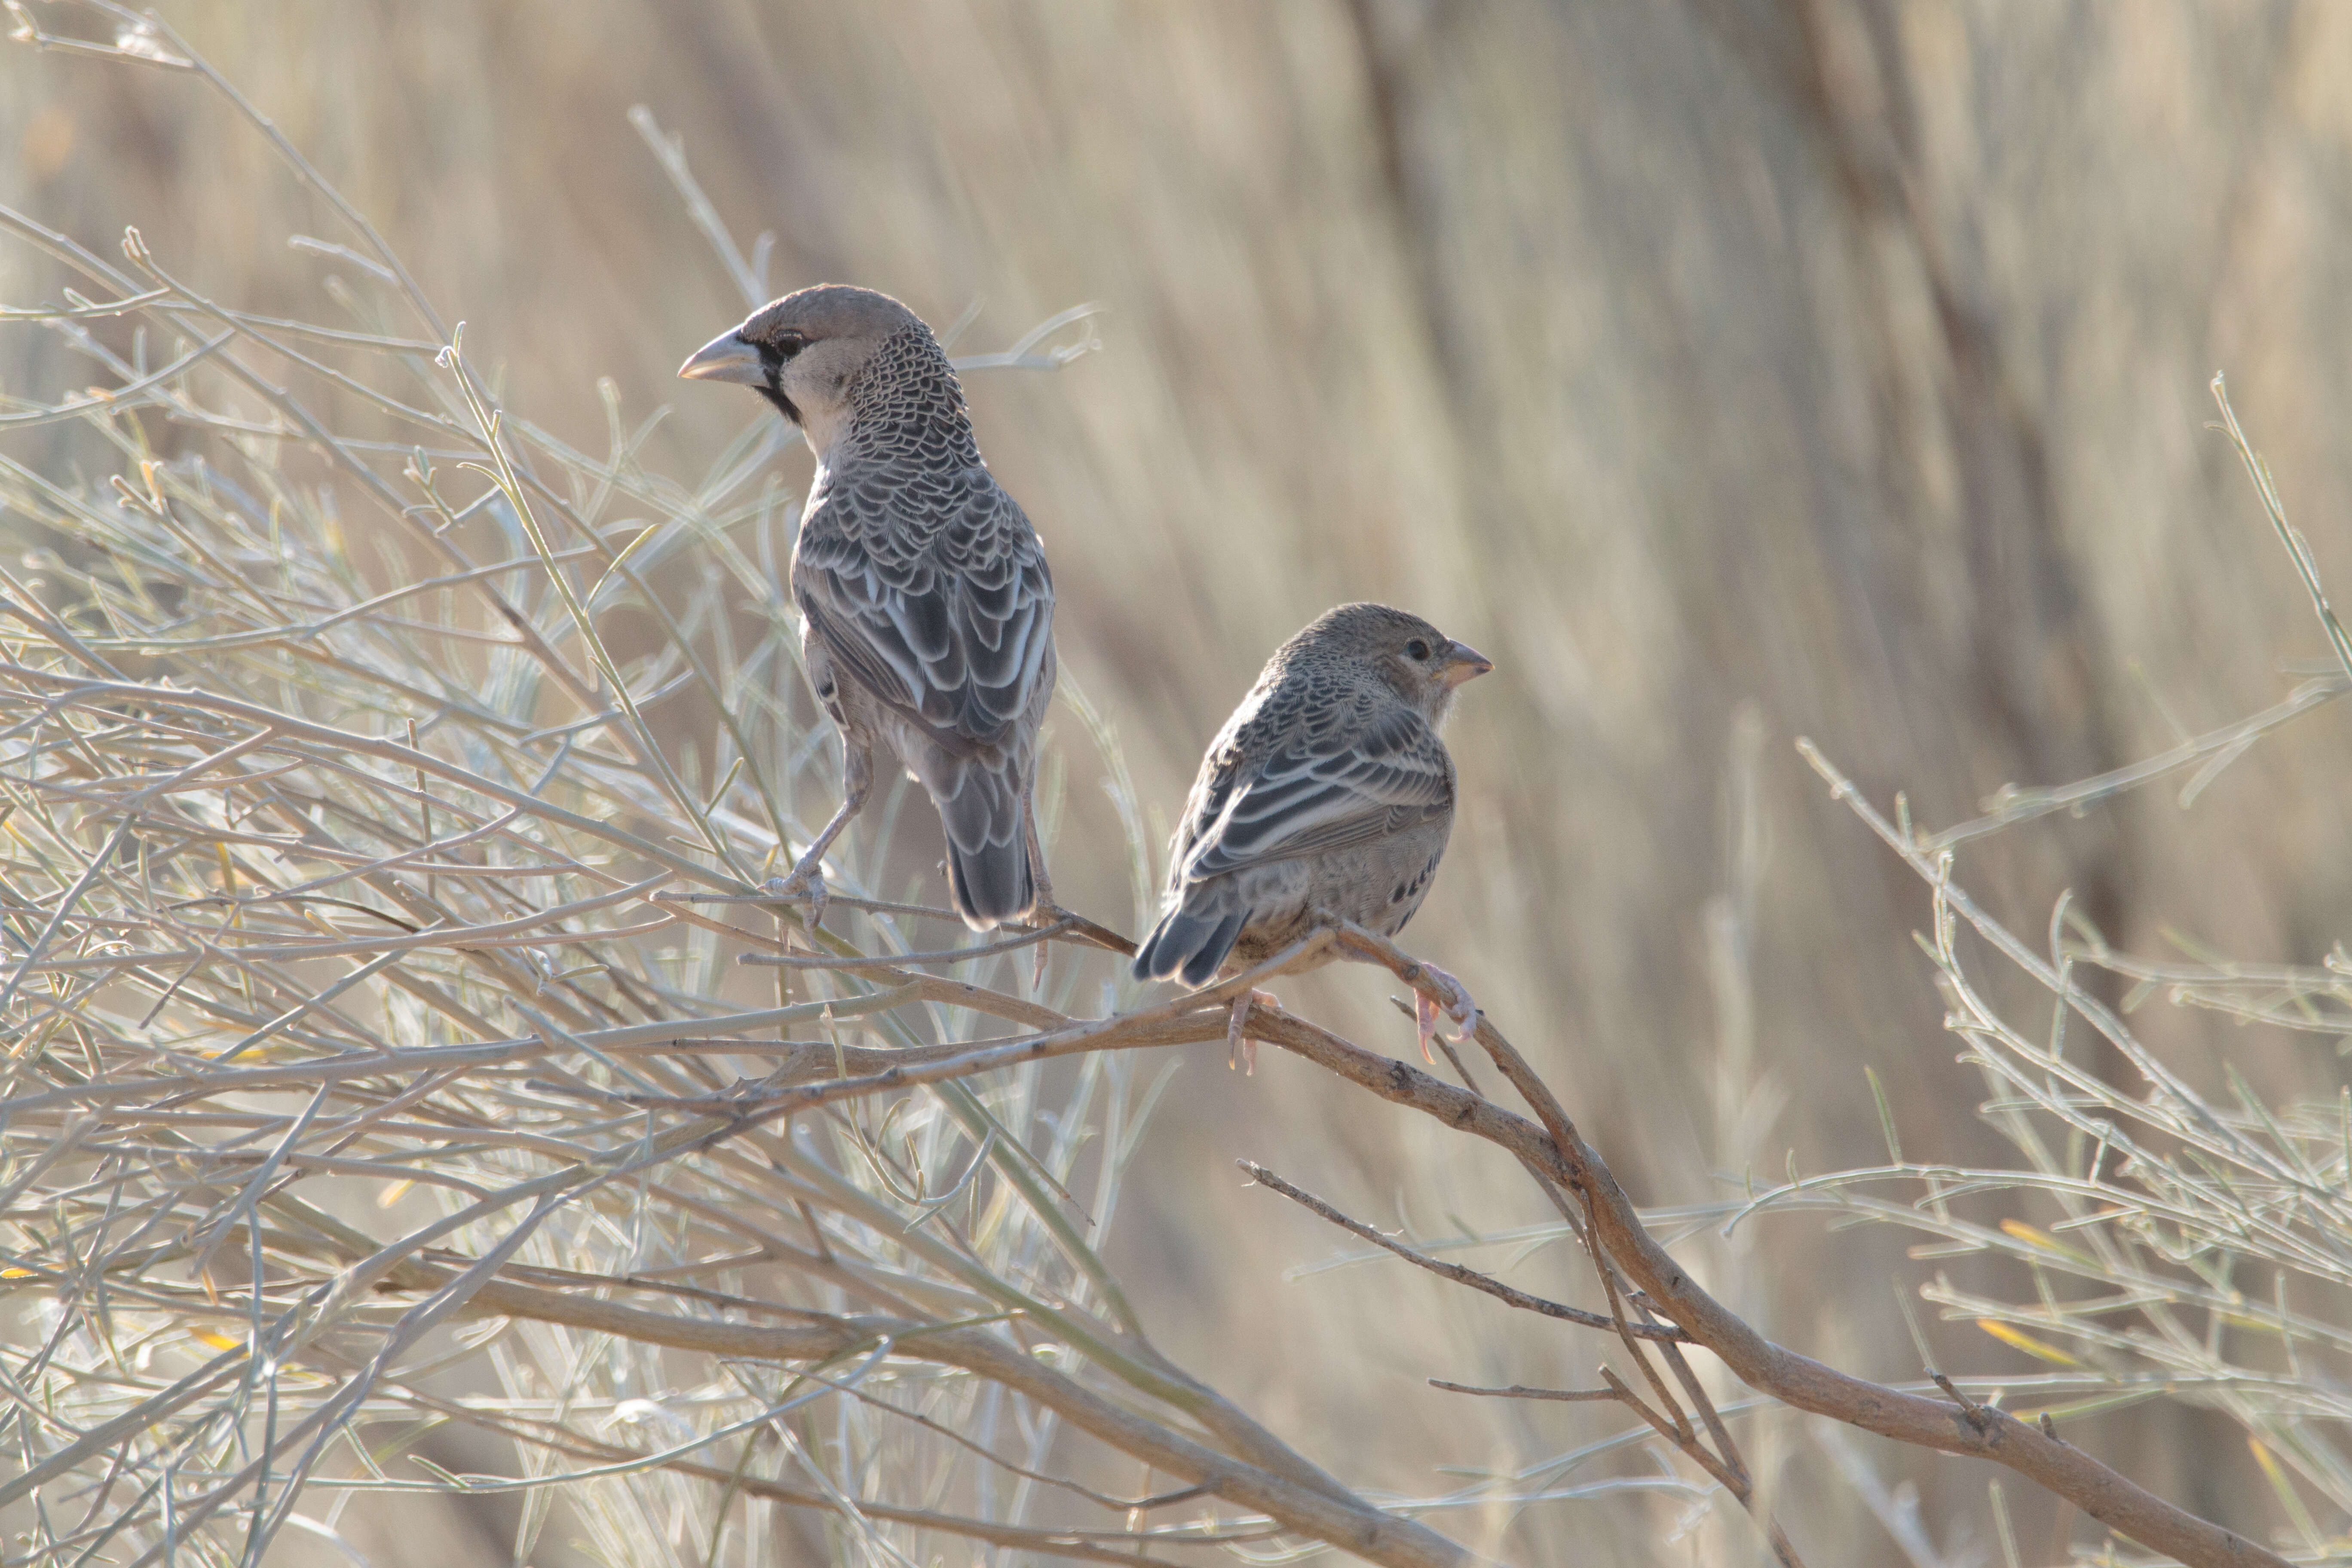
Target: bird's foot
point(807, 880)
point(1427, 1011)
point(1240, 1049)
point(1043, 911)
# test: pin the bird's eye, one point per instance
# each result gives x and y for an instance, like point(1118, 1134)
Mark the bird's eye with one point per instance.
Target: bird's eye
point(789, 343)
point(1416, 649)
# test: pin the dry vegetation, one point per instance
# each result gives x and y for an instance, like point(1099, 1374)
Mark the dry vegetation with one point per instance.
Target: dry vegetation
point(406, 1091)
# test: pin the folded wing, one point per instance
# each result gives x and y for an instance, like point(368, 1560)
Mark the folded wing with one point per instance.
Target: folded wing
point(1354, 785)
point(933, 594)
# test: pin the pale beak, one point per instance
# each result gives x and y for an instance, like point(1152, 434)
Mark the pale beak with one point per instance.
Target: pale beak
point(726, 357)
point(1462, 663)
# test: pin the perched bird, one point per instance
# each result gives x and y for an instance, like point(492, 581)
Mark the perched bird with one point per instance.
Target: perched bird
point(1327, 795)
point(927, 608)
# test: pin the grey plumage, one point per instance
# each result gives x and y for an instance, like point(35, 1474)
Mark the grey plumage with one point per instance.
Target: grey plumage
point(1328, 791)
point(927, 609)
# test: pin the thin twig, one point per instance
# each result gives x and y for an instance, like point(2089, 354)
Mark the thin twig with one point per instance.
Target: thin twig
point(1507, 1294)
point(1520, 1391)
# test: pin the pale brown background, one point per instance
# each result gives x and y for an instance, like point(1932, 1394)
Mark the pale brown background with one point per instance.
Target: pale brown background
point(1839, 364)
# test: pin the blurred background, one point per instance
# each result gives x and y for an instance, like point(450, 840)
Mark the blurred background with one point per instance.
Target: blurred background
point(1728, 371)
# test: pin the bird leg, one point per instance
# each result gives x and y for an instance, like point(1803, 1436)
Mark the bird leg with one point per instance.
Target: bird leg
point(1042, 909)
point(1426, 1011)
point(1240, 1049)
point(808, 872)
point(808, 875)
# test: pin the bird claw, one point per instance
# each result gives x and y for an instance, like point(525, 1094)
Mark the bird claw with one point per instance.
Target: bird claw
point(1458, 1007)
point(1044, 912)
point(1240, 1049)
point(805, 879)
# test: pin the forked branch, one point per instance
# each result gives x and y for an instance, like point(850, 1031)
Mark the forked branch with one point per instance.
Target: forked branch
point(1552, 1145)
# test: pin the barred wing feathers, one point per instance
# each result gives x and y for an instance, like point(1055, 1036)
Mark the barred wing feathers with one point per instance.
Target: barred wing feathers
point(1350, 784)
point(932, 591)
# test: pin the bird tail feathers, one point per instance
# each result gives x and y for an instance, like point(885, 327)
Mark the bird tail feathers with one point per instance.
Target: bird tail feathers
point(1190, 944)
point(988, 842)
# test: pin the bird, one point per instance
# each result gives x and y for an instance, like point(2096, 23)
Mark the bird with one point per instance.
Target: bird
point(926, 603)
point(1328, 796)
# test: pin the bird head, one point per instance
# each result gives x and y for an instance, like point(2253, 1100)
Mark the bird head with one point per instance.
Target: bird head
point(804, 352)
point(1422, 664)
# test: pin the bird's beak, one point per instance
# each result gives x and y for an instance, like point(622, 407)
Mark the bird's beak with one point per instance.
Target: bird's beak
point(1462, 663)
point(726, 357)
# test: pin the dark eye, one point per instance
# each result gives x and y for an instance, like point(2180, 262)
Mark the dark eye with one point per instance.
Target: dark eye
point(787, 344)
point(1417, 650)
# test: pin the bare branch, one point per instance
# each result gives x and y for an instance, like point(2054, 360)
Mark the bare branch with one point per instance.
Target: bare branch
point(1509, 1295)
point(1771, 1368)
point(1520, 1391)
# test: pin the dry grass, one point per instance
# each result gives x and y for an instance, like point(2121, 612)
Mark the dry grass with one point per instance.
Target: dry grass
point(334, 957)
point(368, 968)
point(1685, 998)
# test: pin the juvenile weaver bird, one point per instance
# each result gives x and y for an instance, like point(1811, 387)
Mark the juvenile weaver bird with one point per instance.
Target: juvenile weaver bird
point(1326, 795)
point(926, 609)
